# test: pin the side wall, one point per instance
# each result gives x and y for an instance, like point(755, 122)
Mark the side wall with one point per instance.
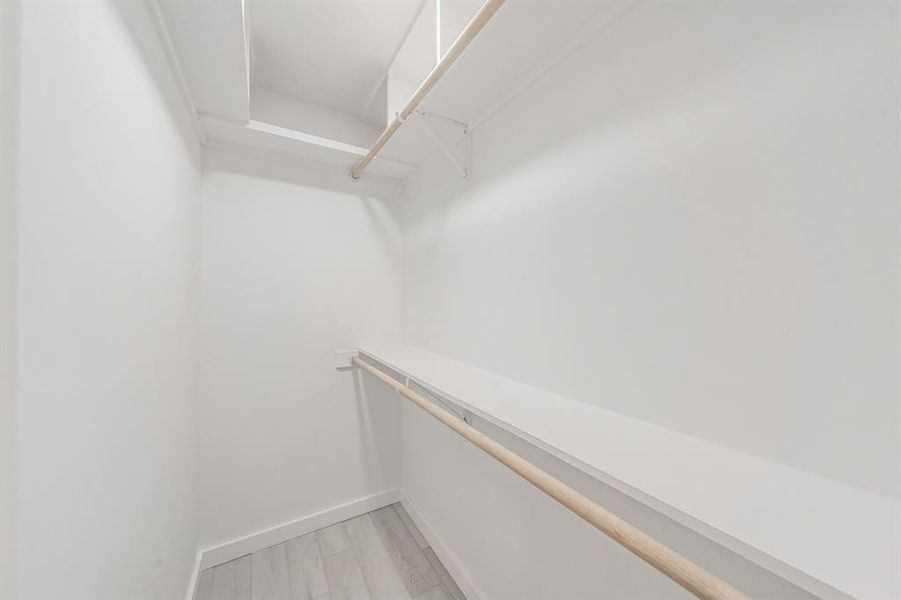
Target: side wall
point(692, 221)
point(106, 174)
point(9, 115)
point(294, 268)
point(697, 216)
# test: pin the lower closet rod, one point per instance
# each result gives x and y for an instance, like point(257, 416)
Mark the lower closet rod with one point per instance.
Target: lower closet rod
point(684, 572)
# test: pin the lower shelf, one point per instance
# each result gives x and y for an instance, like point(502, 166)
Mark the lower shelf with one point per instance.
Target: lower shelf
point(831, 539)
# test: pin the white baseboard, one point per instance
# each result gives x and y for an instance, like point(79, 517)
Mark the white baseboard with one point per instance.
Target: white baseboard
point(286, 531)
point(195, 573)
point(449, 561)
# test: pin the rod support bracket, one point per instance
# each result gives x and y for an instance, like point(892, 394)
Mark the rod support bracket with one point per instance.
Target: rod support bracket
point(344, 359)
point(464, 166)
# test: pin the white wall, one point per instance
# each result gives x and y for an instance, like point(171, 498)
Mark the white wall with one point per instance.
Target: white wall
point(294, 268)
point(697, 217)
point(106, 179)
point(692, 221)
point(9, 47)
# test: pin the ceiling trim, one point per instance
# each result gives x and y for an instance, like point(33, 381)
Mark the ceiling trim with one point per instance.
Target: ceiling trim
point(162, 32)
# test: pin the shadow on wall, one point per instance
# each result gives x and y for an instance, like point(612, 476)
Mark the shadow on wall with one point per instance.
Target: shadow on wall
point(10, 16)
point(381, 223)
point(141, 21)
point(378, 409)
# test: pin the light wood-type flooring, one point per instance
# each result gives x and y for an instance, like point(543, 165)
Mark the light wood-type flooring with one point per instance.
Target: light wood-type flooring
point(377, 556)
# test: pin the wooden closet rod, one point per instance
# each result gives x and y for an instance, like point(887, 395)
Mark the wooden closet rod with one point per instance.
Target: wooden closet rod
point(684, 572)
point(485, 13)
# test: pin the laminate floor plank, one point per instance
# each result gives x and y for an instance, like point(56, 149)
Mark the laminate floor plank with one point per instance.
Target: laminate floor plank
point(381, 574)
point(377, 556)
point(411, 526)
point(232, 580)
point(345, 581)
point(414, 567)
point(270, 574)
point(333, 539)
point(436, 593)
point(446, 580)
point(203, 589)
point(305, 571)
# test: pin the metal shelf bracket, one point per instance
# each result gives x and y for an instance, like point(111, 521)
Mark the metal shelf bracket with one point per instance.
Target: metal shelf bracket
point(464, 166)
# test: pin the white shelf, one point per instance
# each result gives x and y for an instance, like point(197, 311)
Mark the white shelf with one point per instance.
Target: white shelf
point(832, 539)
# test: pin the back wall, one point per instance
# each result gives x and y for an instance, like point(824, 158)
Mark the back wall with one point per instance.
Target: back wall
point(293, 268)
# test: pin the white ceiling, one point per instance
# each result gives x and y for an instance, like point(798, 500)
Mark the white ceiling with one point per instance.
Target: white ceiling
point(333, 53)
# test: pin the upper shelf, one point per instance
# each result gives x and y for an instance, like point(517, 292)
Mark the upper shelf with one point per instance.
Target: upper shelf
point(829, 538)
point(522, 42)
point(212, 42)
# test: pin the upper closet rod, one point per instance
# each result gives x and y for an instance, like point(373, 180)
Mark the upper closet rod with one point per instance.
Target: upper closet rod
point(675, 566)
point(453, 53)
